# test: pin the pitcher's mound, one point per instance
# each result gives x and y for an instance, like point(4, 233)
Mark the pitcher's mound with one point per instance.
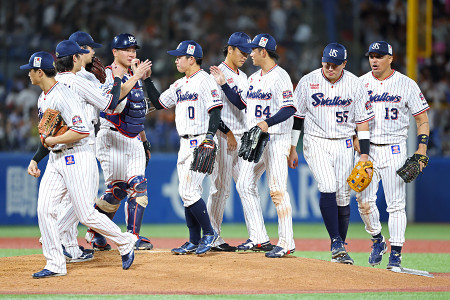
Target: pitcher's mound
point(160, 272)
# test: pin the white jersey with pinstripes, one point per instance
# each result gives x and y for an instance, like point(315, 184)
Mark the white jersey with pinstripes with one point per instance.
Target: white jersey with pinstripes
point(234, 118)
point(194, 97)
point(266, 95)
point(64, 100)
point(91, 111)
point(332, 110)
point(92, 97)
point(393, 100)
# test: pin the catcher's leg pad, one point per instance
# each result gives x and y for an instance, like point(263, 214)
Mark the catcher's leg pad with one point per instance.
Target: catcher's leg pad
point(135, 213)
point(359, 179)
point(109, 202)
point(138, 185)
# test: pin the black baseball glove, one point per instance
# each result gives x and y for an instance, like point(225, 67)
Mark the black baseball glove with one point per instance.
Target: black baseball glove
point(411, 169)
point(204, 156)
point(253, 143)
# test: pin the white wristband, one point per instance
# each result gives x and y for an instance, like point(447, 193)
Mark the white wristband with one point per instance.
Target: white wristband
point(364, 135)
point(295, 135)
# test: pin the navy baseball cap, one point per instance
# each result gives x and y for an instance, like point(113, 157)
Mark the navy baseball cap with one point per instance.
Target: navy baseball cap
point(334, 53)
point(66, 48)
point(264, 40)
point(380, 47)
point(240, 40)
point(40, 60)
point(188, 47)
point(84, 39)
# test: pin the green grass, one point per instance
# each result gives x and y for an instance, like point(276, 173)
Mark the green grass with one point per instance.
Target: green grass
point(369, 296)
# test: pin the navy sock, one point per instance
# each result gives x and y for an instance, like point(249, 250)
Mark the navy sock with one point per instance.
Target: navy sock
point(397, 248)
point(378, 236)
point(198, 209)
point(193, 225)
point(343, 219)
point(329, 210)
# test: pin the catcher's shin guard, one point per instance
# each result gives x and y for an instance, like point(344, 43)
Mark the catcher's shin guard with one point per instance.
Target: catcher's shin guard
point(135, 213)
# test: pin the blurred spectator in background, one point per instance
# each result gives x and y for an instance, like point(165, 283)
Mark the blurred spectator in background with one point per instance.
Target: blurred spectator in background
point(299, 26)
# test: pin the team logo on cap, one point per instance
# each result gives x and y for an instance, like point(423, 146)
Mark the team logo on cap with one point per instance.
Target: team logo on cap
point(131, 39)
point(333, 53)
point(263, 42)
point(37, 62)
point(375, 46)
point(190, 49)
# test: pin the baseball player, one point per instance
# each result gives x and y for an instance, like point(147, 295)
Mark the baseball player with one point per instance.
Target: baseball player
point(394, 97)
point(93, 99)
point(270, 105)
point(333, 104)
point(121, 147)
point(227, 161)
point(197, 102)
point(70, 170)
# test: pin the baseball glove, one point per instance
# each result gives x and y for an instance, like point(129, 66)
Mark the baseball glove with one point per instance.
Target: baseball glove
point(96, 67)
point(411, 169)
point(359, 179)
point(204, 157)
point(253, 143)
point(51, 124)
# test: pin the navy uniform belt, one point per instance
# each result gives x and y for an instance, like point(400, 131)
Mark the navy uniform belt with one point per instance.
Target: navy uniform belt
point(190, 136)
point(61, 150)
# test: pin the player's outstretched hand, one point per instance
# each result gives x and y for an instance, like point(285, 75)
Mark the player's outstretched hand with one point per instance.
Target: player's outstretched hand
point(33, 169)
point(141, 69)
point(231, 141)
point(293, 158)
point(217, 74)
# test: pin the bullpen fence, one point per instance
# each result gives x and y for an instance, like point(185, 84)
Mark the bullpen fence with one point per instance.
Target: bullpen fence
point(19, 193)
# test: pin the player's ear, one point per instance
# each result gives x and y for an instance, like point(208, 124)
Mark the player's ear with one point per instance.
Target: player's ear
point(344, 63)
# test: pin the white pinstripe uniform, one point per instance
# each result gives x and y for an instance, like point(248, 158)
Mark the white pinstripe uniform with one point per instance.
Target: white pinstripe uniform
point(393, 100)
point(331, 112)
point(266, 95)
point(93, 99)
point(71, 171)
point(193, 97)
point(121, 157)
point(228, 164)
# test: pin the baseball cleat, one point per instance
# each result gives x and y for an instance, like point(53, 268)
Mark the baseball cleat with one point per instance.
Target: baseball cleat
point(186, 248)
point(206, 243)
point(394, 260)
point(97, 241)
point(46, 273)
point(337, 247)
point(83, 257)
point(250, 245)
point(225, 247)
point(143, 243)
point(343, 259)
point(127, 260)
point(379, 248)
point(278, 252)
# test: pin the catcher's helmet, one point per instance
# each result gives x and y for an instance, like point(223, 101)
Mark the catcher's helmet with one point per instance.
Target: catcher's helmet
point(124, 40)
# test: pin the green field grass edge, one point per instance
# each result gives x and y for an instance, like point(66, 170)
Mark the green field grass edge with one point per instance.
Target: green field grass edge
point(416, 231)
point(369, 296)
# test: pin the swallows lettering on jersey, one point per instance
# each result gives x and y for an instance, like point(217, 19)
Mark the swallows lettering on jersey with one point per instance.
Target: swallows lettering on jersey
point(385, 97)
point(186, 96)
point(319, 100)
point(258, 95)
